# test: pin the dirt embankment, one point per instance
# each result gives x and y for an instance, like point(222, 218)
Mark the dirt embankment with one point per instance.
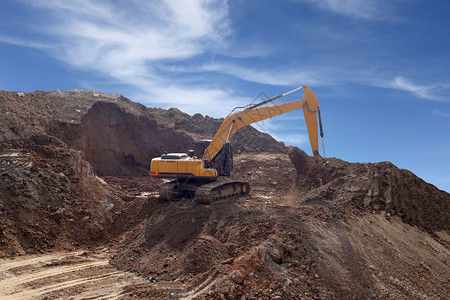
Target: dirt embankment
point(289, 239)
point(378, 187)
point(50, 197)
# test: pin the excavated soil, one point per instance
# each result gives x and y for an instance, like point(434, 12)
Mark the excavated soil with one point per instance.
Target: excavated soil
point(74, 177)
point(290, 241)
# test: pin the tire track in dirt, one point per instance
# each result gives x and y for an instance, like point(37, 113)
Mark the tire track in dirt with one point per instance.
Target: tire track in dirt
point(32, 259)
point(4, 285)
point(74, 275)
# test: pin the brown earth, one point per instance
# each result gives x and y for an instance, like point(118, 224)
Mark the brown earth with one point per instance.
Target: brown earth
point(73, 177)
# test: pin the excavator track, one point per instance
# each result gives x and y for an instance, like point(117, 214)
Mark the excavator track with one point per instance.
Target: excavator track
point(216, 190)
point(203, 193)
point(169, 191)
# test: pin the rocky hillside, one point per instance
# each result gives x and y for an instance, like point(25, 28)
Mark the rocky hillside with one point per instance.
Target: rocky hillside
point(110, 128)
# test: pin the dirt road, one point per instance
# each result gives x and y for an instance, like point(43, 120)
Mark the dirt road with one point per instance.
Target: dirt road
point(65, 275)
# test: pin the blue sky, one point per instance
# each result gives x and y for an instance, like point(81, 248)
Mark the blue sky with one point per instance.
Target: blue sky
point(380, 69)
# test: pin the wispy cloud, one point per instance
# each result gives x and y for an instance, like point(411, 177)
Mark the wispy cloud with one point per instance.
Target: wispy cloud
point(286, 77)
point(213, 102)
point(445, 179)
point(295, 139)
point(430, 92)
point(278, 124)
point(170, 30)
point(440, 113)
point(367, 9)
point(25, 43)
point(289, 128)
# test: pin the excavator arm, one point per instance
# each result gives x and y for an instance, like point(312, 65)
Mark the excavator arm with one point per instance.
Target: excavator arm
point(256, 113)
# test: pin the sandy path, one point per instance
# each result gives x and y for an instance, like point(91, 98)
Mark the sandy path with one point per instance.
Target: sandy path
point(64, 275)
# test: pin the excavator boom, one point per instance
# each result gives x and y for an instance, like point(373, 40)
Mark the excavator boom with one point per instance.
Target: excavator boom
point(235, 121)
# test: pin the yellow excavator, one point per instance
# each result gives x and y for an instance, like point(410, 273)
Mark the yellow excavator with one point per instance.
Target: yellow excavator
point(197, 173)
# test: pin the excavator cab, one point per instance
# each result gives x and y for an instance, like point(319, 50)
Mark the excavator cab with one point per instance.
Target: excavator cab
point(200, 147)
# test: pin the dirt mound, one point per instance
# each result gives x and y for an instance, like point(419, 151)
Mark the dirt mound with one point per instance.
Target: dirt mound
point(303, 231)
point(27, 114)
point(345, 186)
point(224, 249)
point(50, 198)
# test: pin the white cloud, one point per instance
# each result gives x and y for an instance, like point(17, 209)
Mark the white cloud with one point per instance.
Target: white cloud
point(429, 92)
point(294, 139)
point(25, 43)
point(288, 128)
point(440, 113)
point(113, 40)
point(286, 77)
point(367, 9)
point(445, 179)
point(436, 91)
point(213, 102)
point(249, 49)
